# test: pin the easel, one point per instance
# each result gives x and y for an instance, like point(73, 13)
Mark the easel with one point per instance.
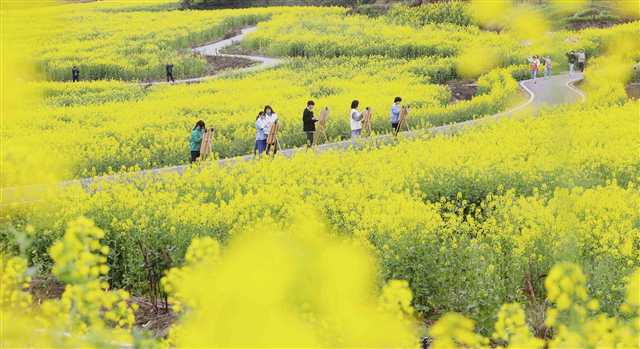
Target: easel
point(321, 131)
point(367, 115)
point(404, 120)
point(272, 138)
point(205, 147)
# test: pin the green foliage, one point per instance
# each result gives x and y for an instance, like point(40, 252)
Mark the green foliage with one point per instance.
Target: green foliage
point(453, 12)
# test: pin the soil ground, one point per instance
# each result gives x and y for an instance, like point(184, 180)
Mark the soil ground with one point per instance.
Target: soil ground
point(462, 90)
point(220, 63)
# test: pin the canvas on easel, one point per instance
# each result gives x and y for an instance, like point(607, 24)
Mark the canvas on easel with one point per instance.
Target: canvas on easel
point(321, 130)
point(404, 120)
point(367, 115)
point(205, 147)
point(272, 138)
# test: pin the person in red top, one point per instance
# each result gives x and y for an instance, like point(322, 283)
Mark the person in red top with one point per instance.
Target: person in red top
point(534, 64)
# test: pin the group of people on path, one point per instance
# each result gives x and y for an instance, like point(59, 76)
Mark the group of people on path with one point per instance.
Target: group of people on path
point(268, 118)
point(576, 57)
point(356, 118)
point(265, 121)
point(537, 64)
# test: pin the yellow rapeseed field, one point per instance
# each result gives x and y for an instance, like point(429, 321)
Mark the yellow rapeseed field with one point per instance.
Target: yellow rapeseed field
point(521, 233)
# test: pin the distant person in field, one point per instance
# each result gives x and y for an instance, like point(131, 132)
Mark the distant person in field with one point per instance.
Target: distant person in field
point(355, 118)
point(571, 58)
point(261, 132)
point(196, 140)
point(169, 68)
point(547, 67)
point(582, 60)
point(395, 113)
point(272, 119)
point(75, 74)
point(534, 64)
point(309, 122)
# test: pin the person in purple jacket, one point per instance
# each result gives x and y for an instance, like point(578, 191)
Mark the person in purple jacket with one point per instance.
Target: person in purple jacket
point(395, 113)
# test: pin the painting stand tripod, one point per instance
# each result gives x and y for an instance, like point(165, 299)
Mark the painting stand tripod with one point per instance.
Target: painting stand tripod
point(322, 127)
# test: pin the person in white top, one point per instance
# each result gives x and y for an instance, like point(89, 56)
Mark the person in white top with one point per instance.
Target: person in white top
point(547, 67)
point(582, 59)
point(261, 136)
point(355, 119)
point(534, 65)
point(272, 119)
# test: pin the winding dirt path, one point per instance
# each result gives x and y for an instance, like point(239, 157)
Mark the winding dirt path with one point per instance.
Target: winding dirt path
point(213, 49)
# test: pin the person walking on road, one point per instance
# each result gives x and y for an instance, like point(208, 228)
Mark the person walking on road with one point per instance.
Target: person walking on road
point(196, 140)
point(309, 122)
point(261, 135)
point(395, 113)
point(169, 69)
point(571, 58)
point(582, 59)
point(75, 74)
point(355, 118)
point(547, 67)
point(534, 64)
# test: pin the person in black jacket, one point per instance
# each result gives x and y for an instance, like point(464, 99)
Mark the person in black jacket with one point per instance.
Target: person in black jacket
point(571, 57)
point(75, 74)
point(309, 122)
point(170, 73)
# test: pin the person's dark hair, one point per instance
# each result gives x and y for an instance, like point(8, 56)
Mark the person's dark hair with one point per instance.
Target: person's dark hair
point(259, 114)
point(310, 102)
point(397, 99)
point(268, 107)
point(200, 124)
point(355, 104)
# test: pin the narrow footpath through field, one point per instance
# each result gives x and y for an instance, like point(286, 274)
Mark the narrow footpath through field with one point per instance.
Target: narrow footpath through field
point(213, 50)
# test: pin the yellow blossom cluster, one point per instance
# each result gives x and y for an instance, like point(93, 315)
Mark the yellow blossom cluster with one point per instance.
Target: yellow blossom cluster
point(574, 319)
point(87, 313)
point(14, 281)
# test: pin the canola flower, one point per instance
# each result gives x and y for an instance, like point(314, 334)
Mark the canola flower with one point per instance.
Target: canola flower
point(113, 40)
point(289, 288)
point(534, 191)
point(95, 128)
point(87, 313)
point(450, 224)
point(98, 127)
point(573, 317)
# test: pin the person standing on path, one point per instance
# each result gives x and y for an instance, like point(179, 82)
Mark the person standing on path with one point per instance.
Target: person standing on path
point(355, 118)
point(169, 69)
point(309, 122)
point(196, 140)
point(272, 119)
point(261, 135)
point(395, 113)
point(571, 57)
point(75, 74)
point(547, 67)
point(582, 59)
